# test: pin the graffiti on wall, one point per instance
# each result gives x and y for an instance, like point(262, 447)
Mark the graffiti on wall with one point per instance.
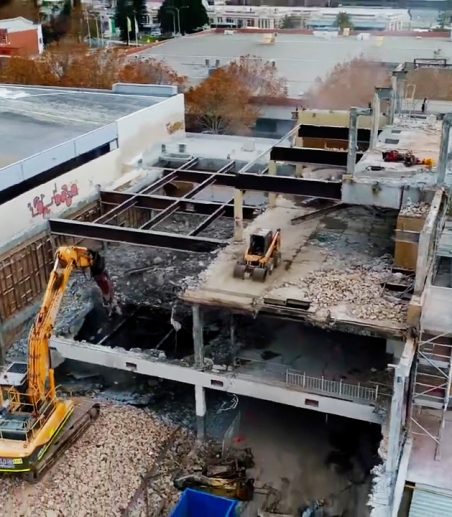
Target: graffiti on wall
point(64, 196)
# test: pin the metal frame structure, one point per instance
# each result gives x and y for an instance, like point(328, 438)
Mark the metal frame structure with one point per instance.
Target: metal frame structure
point(119, 221)
point(116, 224)
point(432, 384)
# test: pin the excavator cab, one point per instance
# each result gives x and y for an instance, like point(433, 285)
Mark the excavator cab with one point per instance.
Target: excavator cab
point(262, 255)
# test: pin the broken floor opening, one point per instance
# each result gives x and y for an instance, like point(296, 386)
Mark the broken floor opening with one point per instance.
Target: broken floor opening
point(301, 456)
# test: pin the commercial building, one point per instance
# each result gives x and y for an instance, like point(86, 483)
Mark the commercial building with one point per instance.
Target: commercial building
point(266, 17)
point(20, 37)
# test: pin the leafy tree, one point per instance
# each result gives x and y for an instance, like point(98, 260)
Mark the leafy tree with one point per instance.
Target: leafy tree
point(192, 16)
point(127, 11)
point(220, 104)
point(259, 76)
point(343, 21)
point(150, 71)
point(290, 22)
point(12, 8)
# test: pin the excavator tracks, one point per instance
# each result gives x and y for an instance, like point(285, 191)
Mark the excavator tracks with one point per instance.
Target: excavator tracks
point(85, 412)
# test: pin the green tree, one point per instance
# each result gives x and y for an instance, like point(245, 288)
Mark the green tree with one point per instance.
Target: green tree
point(343, 21)
point(290, 22)
point(192, 15)
point(127, 12)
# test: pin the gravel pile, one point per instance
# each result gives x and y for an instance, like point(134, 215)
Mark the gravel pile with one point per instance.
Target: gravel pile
point(357, 287)
point(100, 473)
point(415, 209)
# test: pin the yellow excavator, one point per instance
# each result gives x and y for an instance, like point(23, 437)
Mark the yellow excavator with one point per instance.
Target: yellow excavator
point(36, 425)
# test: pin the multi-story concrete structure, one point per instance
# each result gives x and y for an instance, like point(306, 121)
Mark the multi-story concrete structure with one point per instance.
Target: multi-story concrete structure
point(356, 321)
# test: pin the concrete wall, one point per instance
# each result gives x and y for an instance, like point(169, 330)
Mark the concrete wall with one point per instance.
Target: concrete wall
point(146, 128)
point(26, 214)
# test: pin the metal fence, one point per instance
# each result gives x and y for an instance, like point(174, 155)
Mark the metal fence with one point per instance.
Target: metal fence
point(336, 388)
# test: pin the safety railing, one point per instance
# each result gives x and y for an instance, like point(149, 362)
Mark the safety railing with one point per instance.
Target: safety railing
point(339, 389)
point(293, 379)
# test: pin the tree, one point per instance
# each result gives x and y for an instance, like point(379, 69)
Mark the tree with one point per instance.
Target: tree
point(343, 21)
point(290, 22)
point(348, 84)
point(259, 76)
point(192, 16)
point(128, 15)
point(150, 71)
point(71, 64)
point(221, 104)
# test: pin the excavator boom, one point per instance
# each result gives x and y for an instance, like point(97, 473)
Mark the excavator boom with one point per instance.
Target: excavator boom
point(34, 422)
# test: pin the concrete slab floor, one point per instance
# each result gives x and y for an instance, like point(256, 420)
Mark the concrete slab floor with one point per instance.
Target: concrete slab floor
point(291, 449)
point(271, 344)
point(422, 467)
point(349, 238)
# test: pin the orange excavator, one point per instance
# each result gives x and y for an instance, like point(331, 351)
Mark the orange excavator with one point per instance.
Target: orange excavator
point(36, 424)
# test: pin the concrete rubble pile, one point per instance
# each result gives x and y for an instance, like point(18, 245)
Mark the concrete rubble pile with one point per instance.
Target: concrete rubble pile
point(358, 287)
point(99, 474)
point(415, 210)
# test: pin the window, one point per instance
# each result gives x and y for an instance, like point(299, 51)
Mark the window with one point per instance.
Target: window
point(219, 20)
point(250, 23)
point(230, 20)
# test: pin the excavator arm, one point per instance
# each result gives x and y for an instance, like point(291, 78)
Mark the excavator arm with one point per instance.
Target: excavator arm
point(41, 383)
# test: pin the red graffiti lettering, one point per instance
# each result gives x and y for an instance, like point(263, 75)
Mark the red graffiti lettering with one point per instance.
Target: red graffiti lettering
point(65, 196)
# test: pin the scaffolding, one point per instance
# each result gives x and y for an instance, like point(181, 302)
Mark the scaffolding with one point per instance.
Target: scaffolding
point(431, 387)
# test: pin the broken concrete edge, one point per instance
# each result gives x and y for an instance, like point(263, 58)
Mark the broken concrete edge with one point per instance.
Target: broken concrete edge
point(255, 309)
point(427, 238)
point(240, 384)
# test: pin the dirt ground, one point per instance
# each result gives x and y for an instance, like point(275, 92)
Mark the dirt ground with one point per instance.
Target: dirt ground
point(291, 450)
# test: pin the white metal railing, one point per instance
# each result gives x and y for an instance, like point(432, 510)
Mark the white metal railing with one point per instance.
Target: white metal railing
point(327, 386)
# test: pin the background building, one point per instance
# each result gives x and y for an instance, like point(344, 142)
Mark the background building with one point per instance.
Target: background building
point(20, 37)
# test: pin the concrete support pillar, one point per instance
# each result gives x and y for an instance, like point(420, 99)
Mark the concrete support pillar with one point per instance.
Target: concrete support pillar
point(198, 337)
point(395, 424)
point(352, 140)
point(444, 148)
point(394, 95)
point(201, 409)
point(375, 120)
point(233, 330)
point(2, 347)
point(395, 348)
point(238, 215)
point(272, 172)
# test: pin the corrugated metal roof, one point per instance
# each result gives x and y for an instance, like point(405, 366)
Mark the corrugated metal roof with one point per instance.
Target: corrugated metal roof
point(428, 503)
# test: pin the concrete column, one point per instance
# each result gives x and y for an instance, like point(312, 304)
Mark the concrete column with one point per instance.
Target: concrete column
point(233, 329)
point(352, 138)
point(238, 215)
point(198, 338)
point(272, 172)
point(375, 120)
point(395, 348)
point(2, 347)
point(201, 409)
point(395, 425)
point(444, 148)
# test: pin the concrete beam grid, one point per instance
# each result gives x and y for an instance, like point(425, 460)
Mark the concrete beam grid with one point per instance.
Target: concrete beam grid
point(118, 205)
